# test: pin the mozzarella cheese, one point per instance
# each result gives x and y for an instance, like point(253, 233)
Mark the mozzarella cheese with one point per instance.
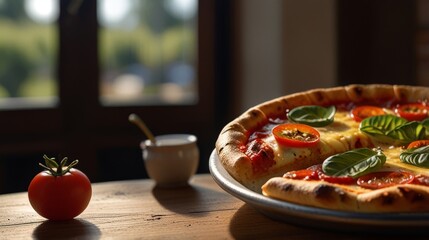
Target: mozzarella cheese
point(340, 136)
point(394, 163)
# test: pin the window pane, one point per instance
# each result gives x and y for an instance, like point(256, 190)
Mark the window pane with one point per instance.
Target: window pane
point(27, 49)
point(148, 52)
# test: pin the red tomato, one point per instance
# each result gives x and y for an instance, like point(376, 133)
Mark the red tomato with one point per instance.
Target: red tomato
point(421, 180)
point(418, 143)
point(332, 179)
point(335, 179)
point(412, 111)
point(362, 112)
point(377, 180)
point(296, 135)
point(304, 174)
point(60, 197)
point(315, 173)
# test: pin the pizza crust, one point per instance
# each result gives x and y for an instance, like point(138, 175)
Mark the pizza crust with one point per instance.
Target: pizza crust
point(376, 93)
point(399, 198)
point(326, 97)
point(410, 93)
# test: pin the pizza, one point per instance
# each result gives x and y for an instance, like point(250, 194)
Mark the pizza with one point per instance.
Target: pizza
point(362, 148)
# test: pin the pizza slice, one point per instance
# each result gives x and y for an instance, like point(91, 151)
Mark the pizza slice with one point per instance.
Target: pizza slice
point(361, 180)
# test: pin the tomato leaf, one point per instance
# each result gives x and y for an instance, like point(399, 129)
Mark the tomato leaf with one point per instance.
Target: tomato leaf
point(354, 163)
point(50, 162)
point(418, 156)
point(57, 170)
point(315, 116)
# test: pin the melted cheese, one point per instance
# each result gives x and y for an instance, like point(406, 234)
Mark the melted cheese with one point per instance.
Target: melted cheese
point(340, 136)
point(394, 163)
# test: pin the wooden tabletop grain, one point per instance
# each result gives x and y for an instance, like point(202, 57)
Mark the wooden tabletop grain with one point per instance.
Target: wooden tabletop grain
point(137, 209)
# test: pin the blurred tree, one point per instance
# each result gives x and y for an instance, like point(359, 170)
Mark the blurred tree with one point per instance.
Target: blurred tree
point(13, 9)
point(15, 67)
point(154, 15)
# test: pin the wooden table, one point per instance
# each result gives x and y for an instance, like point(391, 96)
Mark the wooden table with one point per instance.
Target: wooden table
point(138, 210)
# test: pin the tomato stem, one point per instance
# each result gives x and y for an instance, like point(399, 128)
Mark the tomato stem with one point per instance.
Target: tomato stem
point(57, 170)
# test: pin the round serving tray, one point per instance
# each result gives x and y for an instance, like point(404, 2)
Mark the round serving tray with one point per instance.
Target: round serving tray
point(317, 217)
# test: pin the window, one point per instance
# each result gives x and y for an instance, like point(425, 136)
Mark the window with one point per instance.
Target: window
point(88, 120)
point(27, 49)
point(147, 52)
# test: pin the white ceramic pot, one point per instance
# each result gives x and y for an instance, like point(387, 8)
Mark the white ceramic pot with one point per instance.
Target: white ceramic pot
point(173, 160)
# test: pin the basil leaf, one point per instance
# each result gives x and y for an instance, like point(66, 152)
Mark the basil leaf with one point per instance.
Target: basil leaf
point(425, 122)
point(315, 116)
point(418, 157)
point(354, 163)
point(392, 129)
point(381, 125)
point(408, 132)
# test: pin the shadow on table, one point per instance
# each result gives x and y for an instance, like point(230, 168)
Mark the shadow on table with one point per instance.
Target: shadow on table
point(249, 223)
point(187, 200)
point(71, 229)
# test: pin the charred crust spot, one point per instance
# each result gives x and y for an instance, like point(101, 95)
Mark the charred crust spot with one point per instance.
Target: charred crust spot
point(324, 191)
point(319, 96)
point(225, 130)
point(254, 113)
point(412, 196)
point(342, 195)
point(402, 95)
point(327, 192)
point(287, 187)
point(221, 149)
point(358, 91)
point(285, 102)
point(223, 146)
point(387, 199)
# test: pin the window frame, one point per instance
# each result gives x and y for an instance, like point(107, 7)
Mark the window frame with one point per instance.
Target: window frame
point(80, 126)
